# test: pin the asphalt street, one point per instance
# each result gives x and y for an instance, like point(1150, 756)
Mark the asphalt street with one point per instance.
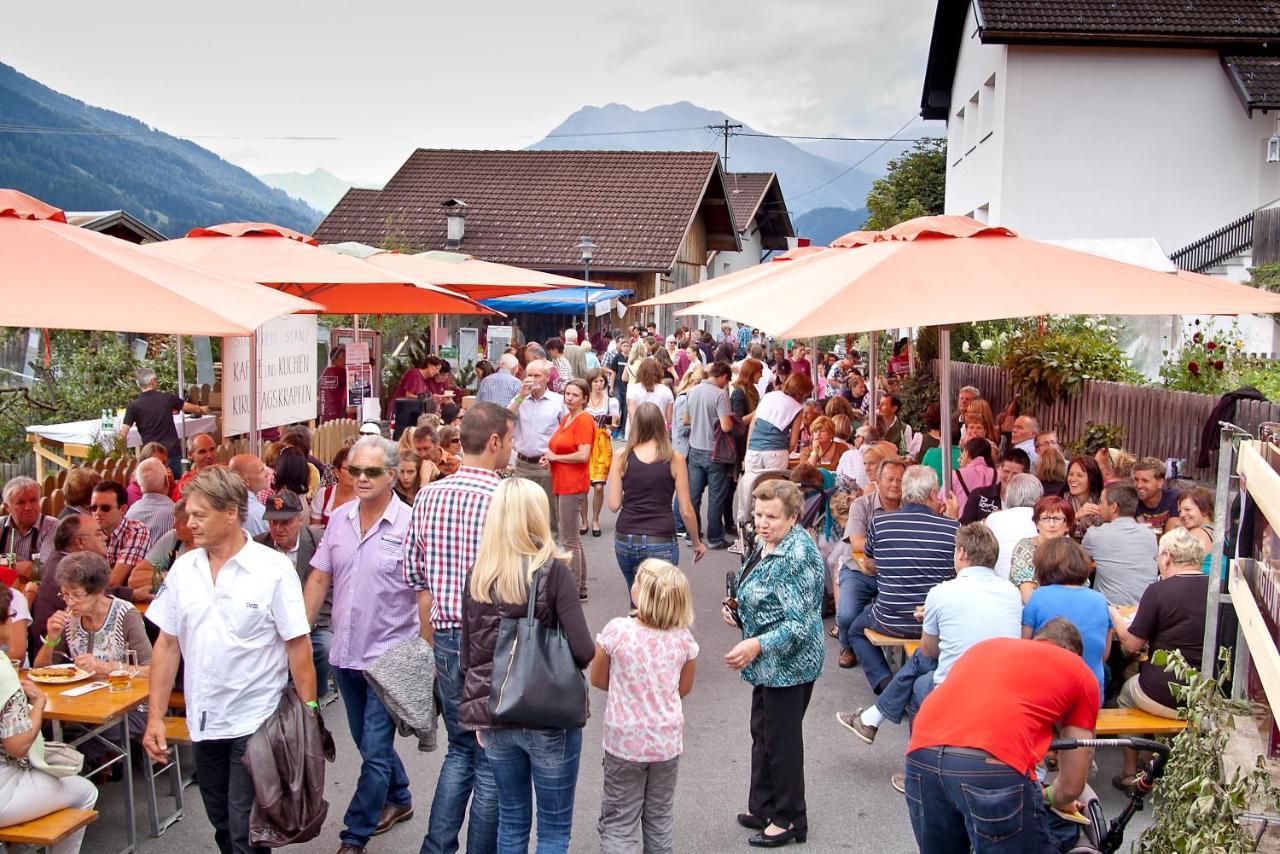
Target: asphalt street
point(851, 805)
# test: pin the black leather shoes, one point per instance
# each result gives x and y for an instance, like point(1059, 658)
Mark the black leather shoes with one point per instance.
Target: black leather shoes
point(752, 822)
point(764, 840)
point(392, 815)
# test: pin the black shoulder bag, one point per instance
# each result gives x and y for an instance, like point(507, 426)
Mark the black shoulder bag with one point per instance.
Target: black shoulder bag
point(536, 682)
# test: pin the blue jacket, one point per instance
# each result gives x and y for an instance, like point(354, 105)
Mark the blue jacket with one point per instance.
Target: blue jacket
point(780, 604)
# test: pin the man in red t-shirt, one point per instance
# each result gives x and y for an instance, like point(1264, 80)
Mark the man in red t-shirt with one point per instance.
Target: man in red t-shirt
point(979, 735)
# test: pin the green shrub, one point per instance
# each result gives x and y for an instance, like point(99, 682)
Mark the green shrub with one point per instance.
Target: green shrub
point(1046, 366)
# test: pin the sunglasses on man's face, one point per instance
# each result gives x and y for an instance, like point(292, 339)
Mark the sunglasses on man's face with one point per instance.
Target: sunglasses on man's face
point(102, 508)
point(371, 472)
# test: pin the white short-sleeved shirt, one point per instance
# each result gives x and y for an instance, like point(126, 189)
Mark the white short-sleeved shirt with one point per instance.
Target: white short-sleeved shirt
point(231, 635)
point(974, 606)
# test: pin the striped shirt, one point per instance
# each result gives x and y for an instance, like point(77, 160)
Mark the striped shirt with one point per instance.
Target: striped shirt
point(914, 550)
point(444, 537)
point(128, 543)
point(373, 610)
point(155, 510)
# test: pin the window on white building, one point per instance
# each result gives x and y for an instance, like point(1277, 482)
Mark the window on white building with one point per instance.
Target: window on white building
point(988, 104)
point(983, 214)
point(957, 145)
point(972, 135)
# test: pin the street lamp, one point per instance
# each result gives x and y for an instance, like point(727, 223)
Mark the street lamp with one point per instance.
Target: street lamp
point(586, 247)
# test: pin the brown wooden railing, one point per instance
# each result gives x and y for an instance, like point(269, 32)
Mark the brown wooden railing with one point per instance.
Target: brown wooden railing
point(1161, 423)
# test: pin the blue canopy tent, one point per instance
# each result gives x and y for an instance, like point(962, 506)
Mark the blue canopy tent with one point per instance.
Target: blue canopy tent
point(558, 301)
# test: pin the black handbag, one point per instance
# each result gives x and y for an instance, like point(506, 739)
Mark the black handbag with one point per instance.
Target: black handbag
point(536, 682)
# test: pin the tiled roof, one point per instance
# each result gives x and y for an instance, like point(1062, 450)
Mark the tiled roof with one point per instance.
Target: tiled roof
point(1256, 79)
point(746, 192)
point(758, 195)
point(1211, 20)
point(531, 208)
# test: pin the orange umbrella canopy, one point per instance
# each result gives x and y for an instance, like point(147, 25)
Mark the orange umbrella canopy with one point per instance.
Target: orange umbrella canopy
point(59, 276)
point(933, 271)
point(290, 261)
point(471, 276)
point(724, 284)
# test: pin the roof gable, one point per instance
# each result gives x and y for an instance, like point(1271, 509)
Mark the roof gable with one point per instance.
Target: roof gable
point(758, 196)
point(531, 208)
point(1235, 26)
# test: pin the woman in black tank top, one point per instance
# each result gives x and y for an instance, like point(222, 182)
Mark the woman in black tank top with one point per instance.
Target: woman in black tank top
point(643, 479)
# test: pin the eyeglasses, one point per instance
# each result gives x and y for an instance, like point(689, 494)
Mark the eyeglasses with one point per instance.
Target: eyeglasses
point(104, 508)
point(73, 598)
point(1054, 520)
point(371, 472)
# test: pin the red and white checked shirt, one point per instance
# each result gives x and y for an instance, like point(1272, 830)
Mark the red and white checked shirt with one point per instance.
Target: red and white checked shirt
point(128, 543)
point(444, 537)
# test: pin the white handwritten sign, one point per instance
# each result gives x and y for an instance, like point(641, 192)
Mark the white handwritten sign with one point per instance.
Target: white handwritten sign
point(286, 375)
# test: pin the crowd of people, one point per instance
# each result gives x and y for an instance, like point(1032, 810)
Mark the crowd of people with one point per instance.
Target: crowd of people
point(284, 569)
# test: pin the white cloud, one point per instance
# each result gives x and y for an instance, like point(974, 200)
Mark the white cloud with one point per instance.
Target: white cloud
point(389, 75)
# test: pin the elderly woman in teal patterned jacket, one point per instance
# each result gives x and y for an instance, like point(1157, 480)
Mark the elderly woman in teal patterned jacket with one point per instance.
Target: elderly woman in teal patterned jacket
point(778, 605)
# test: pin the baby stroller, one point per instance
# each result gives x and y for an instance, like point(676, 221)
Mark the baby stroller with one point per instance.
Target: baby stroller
point(1099, 837)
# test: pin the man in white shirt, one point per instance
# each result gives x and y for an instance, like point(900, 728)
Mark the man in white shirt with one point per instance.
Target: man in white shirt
point(1024, 433)
point(232, 609)
point(538, 412)
point(1013, 522)
point(978, 604)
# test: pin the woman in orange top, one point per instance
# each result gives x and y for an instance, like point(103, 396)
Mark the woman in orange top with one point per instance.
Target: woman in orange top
point(568, 452)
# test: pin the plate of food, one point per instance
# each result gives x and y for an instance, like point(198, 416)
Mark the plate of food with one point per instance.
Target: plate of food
point(58, 674)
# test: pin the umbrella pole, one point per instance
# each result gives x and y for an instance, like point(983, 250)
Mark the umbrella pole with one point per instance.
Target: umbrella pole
point(813, 364)
point(872, 358)
point(182, 392)
point(254, 438)
point(944, 398)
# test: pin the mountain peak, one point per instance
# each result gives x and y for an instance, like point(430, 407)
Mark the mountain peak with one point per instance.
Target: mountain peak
point(808, 180)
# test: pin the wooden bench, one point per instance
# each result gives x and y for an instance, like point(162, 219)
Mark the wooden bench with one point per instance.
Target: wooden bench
point(908, 645)
point(177, 701)
point(48, 830)
point(1136, 722)
point(175, 730)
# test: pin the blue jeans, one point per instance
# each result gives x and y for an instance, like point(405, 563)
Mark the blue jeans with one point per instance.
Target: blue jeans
point(321, 641)
point(620, 392)
point(631, 550)
point(547, 759)
point(963, 802)
point(465, 773)
point(874, 667)
point(703, 474)
point(675, 514)
point(856, 592)
point(383, 781)
point(908, 688)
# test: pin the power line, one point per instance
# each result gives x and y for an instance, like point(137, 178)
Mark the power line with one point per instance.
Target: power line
point(830, 138)
point(861, 160)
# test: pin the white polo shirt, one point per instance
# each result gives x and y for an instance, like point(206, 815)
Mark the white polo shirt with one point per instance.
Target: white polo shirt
point(231, 635)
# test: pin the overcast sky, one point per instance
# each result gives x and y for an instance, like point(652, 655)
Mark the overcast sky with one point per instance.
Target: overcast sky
point(388, 76)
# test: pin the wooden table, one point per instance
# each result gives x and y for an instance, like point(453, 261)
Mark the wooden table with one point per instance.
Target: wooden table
point(100, 711)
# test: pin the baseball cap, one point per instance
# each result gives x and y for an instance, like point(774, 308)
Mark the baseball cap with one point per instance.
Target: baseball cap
point(369, 428)
point(283, 504)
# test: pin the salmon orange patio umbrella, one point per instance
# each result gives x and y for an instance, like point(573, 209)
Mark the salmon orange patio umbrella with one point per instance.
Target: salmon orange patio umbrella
point(290, 261)
point(936, 271)
point(458, 272)
point(60, 276)
point(723, 284)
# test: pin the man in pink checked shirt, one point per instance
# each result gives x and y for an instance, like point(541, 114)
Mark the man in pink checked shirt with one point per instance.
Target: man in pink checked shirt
point(444, 536)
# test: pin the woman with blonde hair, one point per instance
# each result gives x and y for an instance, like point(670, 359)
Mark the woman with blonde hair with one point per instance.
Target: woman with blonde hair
point(1051, 471)
point(1116, 464)
point(518, 555)
point(979, 412)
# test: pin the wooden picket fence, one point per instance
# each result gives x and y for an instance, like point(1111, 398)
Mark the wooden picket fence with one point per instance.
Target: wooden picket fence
point(1161, 423)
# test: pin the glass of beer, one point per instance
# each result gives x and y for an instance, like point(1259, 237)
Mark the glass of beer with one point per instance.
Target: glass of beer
point(120, 678)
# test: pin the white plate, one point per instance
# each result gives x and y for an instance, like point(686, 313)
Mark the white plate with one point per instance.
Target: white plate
point(80, 675)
